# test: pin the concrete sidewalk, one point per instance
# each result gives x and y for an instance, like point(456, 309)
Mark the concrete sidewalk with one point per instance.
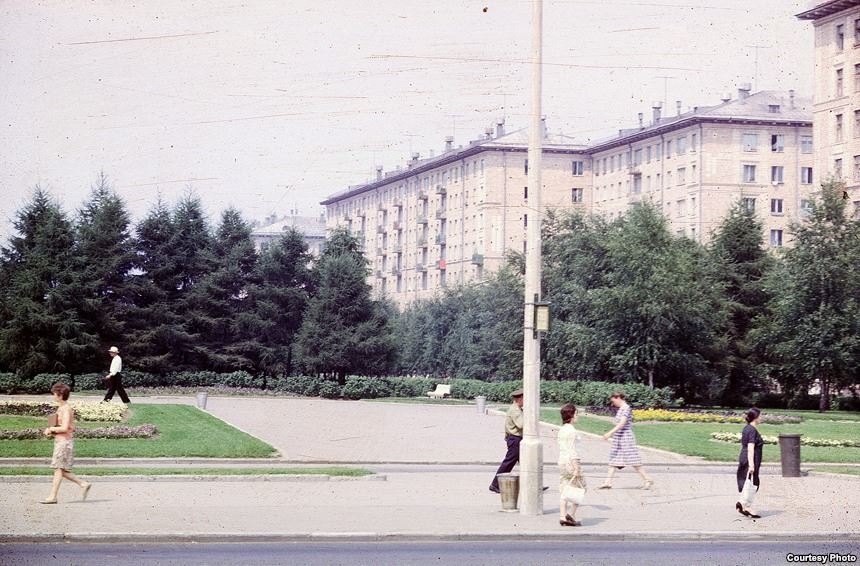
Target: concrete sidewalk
point(435, 464)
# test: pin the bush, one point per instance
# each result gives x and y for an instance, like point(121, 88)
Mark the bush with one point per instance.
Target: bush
point(329, 390)
point(8, 383)
point(299, 385)
point(410, 386)
point(365, 388)
point(848, 403)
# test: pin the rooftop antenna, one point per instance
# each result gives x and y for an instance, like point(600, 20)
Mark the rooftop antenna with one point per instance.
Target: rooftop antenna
point(755, 74)
point(666, 89)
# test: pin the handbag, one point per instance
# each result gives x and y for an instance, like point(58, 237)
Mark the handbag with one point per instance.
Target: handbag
point(573, 494)
point(53, 419)
point(748, 491)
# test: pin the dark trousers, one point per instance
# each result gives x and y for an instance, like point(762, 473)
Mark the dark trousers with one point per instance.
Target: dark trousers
point(115, 386)
point(511, 458)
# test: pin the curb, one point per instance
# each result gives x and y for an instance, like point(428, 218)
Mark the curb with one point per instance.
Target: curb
point(297, 478)
point(358, 536)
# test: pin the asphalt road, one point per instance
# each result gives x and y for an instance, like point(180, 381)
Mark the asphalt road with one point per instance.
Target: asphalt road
point(501, 553)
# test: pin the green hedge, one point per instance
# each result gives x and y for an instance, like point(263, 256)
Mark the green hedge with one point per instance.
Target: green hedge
point(585, 393)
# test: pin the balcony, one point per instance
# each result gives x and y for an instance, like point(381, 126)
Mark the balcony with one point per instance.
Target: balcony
point(477, 259)
point(398, 248)
point(422, 241)
point(380, 229)
point(441, 265)
point(441, 214)
point(441, 239)
point(397, 225)
point(380, 251)
point(381, 207)
point(395, 270)
point(397, 203)
point(422, 194)
point(379, 274)
point(634, 170)
point(420, 268)
point(360, 214)
point(422, 219)
point(440, 190)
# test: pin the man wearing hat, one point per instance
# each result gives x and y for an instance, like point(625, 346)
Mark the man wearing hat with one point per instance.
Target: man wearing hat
point(513, 436)
point(114, 377)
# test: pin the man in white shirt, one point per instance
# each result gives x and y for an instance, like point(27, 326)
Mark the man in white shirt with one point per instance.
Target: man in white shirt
point(114, 377)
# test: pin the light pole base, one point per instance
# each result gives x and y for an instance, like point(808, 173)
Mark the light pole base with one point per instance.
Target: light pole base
point(531, 476)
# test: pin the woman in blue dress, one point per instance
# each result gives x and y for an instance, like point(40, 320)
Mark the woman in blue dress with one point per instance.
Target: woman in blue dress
point(623, 450)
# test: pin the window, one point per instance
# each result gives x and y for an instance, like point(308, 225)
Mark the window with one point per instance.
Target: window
point(777, 143)
point(668, 149)
point(857, 77)
point(612, 163)
point(748, 204)
point(694, 141)
point(526, 167)
point(749, 173)
point(658, 151)
point(806, 175)
point(648, 154)
point(776, 238)
point(750, 142)
point(773, 108)
point(857, 124)
point(604, 166)
point(840, 37)
point(776, 174)
point(776, 206)
point(857, 31)
point(682, 175)
point(857, 167)
point(837, 168)
point(682, 146)
point(578, 168)
point(525, 220)
point(839, 128)
point(525, 193)
point(682, 207)
point(805, 144)
point(576, 195)
point(805, 208)
point(637, 156)
point(839, 83)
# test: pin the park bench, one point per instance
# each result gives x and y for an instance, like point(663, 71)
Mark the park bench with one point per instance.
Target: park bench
point(440, 392)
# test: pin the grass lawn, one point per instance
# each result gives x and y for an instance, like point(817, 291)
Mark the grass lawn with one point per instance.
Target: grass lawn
point(693, 439)
point(183, 431)
point(166, 471)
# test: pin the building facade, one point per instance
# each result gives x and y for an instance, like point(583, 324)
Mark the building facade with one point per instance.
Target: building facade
point(836, 112)
point(312, 228)
point(451, 219)
point(755, 149)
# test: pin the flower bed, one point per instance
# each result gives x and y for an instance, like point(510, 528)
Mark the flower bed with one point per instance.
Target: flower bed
point(84, 410)
point(736, 437)
point(112, 432)
point(664, 415)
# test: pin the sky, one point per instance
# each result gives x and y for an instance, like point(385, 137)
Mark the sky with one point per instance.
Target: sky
point(271, 106)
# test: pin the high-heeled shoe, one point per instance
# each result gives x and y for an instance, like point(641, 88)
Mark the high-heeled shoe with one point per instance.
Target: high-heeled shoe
point(647, 484)
point(741, 509)
point(605, 486)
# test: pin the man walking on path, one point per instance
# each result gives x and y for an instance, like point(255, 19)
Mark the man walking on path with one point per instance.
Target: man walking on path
point(513, 437)
point(114, 377)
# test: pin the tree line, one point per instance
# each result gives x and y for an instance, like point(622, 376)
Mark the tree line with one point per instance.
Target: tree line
point(724, 323)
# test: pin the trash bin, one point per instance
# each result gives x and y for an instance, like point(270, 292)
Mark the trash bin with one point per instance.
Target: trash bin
point(509, 486)
point(201, 400)
point(789, 455)
point(481, 403)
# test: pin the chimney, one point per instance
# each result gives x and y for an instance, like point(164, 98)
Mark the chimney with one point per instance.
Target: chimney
point(791, 99)
point(678, 107)
point(379, 172)
point(744, 91)
point(500, 127)
point(655, 107)
point(726, 97)
point(415, 156)
point(488, 132)
point(449, 143)
point(641, 116)
point(414, 161)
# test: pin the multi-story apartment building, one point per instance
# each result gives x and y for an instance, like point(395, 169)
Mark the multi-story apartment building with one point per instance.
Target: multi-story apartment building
point(756, 149)
point(450, 219)
point(836, 113)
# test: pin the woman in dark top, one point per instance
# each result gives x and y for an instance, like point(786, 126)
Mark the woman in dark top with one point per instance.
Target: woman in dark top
point(749, 462)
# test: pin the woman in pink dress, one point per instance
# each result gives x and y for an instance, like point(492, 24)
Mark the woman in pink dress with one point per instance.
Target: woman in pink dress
point(64, 444)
